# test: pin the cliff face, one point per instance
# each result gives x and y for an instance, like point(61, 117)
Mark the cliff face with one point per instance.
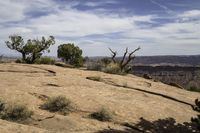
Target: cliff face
point(184, 76)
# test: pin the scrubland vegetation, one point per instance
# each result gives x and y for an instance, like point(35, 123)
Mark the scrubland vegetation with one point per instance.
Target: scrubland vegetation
point(14, 112)
point(102, 115)
point(58, 104)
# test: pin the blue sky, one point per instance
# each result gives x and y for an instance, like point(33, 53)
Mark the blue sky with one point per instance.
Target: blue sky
point(159, 27)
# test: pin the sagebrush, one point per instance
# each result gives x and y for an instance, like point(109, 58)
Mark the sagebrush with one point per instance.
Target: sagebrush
point(102, 115)
point(58, 104)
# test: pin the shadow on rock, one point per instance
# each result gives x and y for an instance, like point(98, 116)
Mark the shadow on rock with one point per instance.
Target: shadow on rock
point(167, 125)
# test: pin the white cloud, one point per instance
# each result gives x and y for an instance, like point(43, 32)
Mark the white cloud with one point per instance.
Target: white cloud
point(191, 15)
point(99, 3)
point(11, 11)
point(70, 23)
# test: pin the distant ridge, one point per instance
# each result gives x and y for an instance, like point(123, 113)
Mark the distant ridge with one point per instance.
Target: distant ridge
point(188, 60)
point(191, 60)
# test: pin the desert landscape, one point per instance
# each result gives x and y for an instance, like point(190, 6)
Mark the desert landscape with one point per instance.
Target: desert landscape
point(99, 66)
point(128, 98)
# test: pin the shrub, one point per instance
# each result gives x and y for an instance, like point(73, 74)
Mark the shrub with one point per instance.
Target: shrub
point(16, 113)
point(2, 105)
point(58, 104)
point(112, 68)
point(95, 66)
point(106, 61)
point(45, 60)
point(18, 61)
point(102, 115)
point(193, 86)
point(197, 108)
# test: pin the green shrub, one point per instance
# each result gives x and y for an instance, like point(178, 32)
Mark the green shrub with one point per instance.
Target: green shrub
point(102, 115)
point(18, 61)
point(16, 113)
point(193, 86)
point(45, 60)
point(95, 66)
point(58, 104)
point(196, 120)
point(112, 68)
point(2, 105)
point(106, 61)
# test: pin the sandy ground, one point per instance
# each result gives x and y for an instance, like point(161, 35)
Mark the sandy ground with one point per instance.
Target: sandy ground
point(25, 84)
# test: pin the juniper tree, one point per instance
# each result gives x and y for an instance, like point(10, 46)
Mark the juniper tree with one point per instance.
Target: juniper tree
point(71, 54)
point(32, 49)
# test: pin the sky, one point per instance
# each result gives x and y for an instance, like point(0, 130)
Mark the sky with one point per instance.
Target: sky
point(159, 27)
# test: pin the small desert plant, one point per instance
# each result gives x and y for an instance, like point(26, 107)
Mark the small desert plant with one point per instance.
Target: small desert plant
point(45, 60)
point(95, 66)
point(16, 113)
point(102, 115)
point(193, 86)
point(113, 68)
point(197, 108)
point(18, 61)
point(95, 78)
point(58, 104)
point(106, 61)
point(2, 105)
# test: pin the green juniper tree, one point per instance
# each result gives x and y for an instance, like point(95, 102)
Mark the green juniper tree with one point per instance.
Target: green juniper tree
point(71, 54)
point(32, 49)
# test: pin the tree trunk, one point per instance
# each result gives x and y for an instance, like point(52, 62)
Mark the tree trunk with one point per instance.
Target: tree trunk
point(33, 58)
point(23, 56)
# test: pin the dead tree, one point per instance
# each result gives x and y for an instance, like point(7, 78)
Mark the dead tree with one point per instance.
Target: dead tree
point(113, 55)
point(125, 59)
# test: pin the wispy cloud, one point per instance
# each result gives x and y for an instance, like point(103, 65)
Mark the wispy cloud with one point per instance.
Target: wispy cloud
point(95, 31)
point(168, 10)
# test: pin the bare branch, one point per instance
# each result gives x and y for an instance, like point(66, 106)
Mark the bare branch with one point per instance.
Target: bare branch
point(137, 49)
point(124, 57)
point(114, 55)
point(130, 57)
